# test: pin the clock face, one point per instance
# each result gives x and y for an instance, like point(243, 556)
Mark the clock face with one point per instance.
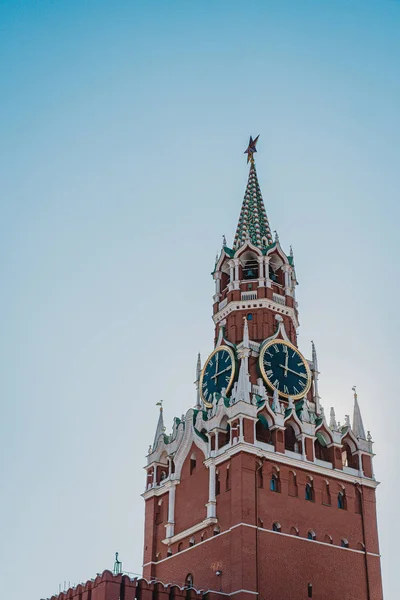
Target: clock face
point(285, 369)
point(218, 373)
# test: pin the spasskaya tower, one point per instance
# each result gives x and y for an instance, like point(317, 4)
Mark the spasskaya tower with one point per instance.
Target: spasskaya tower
point(257, 492)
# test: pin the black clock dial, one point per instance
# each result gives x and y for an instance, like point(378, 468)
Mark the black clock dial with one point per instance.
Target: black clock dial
point(218, 374)
point(285, 369)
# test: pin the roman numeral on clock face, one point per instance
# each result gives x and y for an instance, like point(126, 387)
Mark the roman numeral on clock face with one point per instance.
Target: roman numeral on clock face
point(286, 389)
point(275, 348)
point(276, 383)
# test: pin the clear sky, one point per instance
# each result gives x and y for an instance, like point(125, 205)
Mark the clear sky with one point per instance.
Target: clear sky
point(123, 126)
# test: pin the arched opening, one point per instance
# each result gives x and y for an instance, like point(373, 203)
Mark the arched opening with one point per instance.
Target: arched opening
point(224, 437)
point(192, 463)
point(349, 459)
point(290, 439)
point(276, 526)
point(249, 264)
point(228, 479)
point(294, 531)
point(217, 530)
point(341, 500)
point(328, 539)
point(321, 449)
point(275, 483)
point(159, 513)
point(344, 543)
point(180, 547)
point(360, 546)
point(309, 491)
point(189, 580)
point(311, 535)
point(203, 536)
point(217, 483)
point(192, 541)
point(263, 433)
point(169, 552)
point(275, 270)
point(293, 489)
point(225, 278)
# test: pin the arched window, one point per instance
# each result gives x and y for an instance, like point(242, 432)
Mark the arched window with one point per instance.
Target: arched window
point(344, 543)
point(249, 316)
point(328, 539)
point(311, 535)
point(180, 547)
point(189, 580)
point(169, 552)
point(341, 500)
point(294, 531)
point(193, 463)
point(217, 483)
point(309, 492)
point(217, 530)
point(203, 536)
point(276, 526)
point(228, 479)
point(274, 484)
point(290, 439)
point(192, 541)
point(293, 490)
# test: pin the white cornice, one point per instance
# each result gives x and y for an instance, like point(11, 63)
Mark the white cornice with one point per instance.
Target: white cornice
point(301, 463)
point(259, 303)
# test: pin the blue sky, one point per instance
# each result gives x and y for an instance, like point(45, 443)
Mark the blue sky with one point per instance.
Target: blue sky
point(123, 126)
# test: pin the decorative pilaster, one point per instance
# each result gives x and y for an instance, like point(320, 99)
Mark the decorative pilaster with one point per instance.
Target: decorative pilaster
point(170, 527)
point(212, 502)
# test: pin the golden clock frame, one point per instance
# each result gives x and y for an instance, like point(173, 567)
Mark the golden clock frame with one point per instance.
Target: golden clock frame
point(266, 378)
point(233, 374)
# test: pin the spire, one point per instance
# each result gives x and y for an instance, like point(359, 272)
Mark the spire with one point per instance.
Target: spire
point(253, 221)
point(358, 425)
point(160, 426)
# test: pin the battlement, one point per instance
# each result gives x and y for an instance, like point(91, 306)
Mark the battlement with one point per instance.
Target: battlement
point(108, 586)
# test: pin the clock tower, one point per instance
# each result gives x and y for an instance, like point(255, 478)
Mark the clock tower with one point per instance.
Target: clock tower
point(257, 492)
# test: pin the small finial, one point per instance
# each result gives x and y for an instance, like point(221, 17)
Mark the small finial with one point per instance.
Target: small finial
point(117, 565)
point(251, 149)
point(223, 241)
point(355, 392)
point(332, 421)
point(291, 251)
point(276, 236)
point(347, 421)
point(369, 436)
point(150, 450)
point(160, 403)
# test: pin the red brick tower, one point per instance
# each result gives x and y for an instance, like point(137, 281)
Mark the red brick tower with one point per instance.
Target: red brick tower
point(255, 493)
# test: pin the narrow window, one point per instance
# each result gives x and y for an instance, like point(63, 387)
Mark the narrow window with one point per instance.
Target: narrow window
point(189, 580)
point(274, 483)
point(250, 316)
point(276, 526)
point(311, 535)
point(216, 530)
point(341, 501)
point(169, 553)
point(180, 547)
point(344, 543)
point(228, 479)
point(192, 541)
point(217, 484)
point(309, 492)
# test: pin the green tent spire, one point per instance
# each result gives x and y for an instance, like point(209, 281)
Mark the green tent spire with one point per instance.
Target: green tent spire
point(253, 221)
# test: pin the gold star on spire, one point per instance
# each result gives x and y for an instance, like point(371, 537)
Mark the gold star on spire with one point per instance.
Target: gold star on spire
point(251, 149)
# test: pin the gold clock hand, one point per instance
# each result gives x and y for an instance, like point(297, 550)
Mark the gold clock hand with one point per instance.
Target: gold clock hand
point(286, 363)
point(295, 372)
point(220, 373)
